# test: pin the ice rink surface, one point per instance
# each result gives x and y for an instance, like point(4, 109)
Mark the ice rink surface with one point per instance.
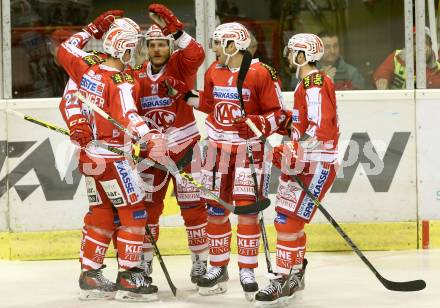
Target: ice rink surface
point(332, 280)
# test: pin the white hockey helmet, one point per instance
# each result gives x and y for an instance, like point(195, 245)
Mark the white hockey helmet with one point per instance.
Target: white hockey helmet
point(123, 35)
point(231, 31)
point(309, 43)
point(155, 33)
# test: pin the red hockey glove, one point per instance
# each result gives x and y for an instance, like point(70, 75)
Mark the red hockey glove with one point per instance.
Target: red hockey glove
point(102, 23)
point(285, 154)
point(164, 18)
point(260, 122)
point(284, 122)
point(156, 149)
point(171, 87)
point(80, 130)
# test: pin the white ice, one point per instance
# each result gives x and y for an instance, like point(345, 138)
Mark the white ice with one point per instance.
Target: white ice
point(332, 280)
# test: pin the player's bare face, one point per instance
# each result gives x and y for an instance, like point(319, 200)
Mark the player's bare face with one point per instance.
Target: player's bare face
point(218, 50)
point(158, 52)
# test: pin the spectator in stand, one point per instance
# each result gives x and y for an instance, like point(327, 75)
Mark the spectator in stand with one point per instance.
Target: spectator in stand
point(391, 74)
point(344, 75)
point(253, 46)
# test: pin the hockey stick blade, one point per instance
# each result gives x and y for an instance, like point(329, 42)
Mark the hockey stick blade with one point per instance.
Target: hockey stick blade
point(403, 286)
point(258, 206)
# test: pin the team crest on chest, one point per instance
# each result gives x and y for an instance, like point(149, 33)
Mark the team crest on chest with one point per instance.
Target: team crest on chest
point(162, 118)
point(226, 112)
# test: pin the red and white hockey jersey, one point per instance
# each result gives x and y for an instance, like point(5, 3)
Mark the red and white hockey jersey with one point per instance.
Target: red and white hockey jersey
point(174, 118)
point(105, 86)
point(315, 113)
point(261, 96)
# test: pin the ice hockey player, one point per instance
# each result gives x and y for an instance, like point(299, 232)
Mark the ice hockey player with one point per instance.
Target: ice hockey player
point(312, 156)
point(226, 167)
point(171, 115)
point(111, 183)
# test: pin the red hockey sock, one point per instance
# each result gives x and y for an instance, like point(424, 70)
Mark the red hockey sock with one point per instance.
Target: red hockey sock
point(147, 247)
point(248, 242)
point(129, 249)
point(290, 254)
point(197, 238)
point(219, 239)
point(83, 242)
point(95, 247)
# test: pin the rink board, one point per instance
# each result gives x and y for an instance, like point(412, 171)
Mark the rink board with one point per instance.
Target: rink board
point(321, 237)
point(46, 196)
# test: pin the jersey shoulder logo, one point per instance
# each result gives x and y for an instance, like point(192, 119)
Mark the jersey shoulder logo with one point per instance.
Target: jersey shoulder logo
point(273, 72)
point(93, 59)
point(119, 78)
point(137, 67)
point(313, 80)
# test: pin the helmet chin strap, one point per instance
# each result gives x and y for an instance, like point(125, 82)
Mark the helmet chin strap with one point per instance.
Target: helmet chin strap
point(228, 56)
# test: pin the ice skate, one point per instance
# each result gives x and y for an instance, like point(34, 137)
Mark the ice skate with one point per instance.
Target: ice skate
point(147, 267)
point(214, 281)
point(133, 287)
point(297, 282)
point(198, 268)
point(94, 285)
point(276, 294)
point(248, 283)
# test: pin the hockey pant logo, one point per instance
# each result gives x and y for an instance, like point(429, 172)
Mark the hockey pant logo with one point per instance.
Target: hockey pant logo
point(92, 192)
point(244, 182)
point(186, 191)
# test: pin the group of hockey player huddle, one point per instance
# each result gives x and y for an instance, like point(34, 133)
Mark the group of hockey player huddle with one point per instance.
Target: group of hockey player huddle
point(154, 103)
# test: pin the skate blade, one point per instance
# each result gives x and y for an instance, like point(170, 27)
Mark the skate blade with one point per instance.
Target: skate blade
point(219, 288)
point(90, 295)
point(127, 296)
point(281, 302)
point(250, 296)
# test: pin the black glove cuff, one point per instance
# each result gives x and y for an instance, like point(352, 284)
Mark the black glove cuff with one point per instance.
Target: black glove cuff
point(178, 34)
point(190, 94)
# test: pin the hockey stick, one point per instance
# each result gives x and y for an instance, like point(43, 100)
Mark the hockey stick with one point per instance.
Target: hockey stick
point(161, 262)
point(244, 68)
point(64, 131)
point(404, 286)
point(145, 162)
point(171, 166)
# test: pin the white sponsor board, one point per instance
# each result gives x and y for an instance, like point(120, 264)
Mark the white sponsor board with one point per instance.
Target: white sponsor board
point(382, 123)
point(43, 193)
point(428, 154)
point(4, 215)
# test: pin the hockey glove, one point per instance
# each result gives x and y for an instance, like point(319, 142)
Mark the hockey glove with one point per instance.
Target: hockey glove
point(80, 130)
point(284, 122)
point(285, 155)
point(171, 87)
point(102, 23)
point(164, 18)
point(156, 148)
point(245, 132)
